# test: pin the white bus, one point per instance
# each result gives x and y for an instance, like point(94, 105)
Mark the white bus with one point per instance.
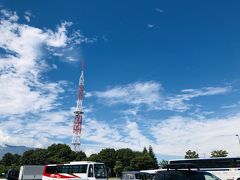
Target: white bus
point(225, 168)
point(80, 170)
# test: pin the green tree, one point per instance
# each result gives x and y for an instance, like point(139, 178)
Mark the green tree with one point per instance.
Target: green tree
point(40, 157)
point(145, 151)
point(16, 160)
point(60, 153)
point(124, 155)
point(10, 159)
point(118, 168)
point(219, 153)
point(34, 157)
point(163, 163)
point(191, 154)
point(3, 170)
point(79, 156)
point(93, 157)
point(108, 156)
point(128, 168)
point(152, 155)
point(26, 157)
point(142, 162)
point(56, 153)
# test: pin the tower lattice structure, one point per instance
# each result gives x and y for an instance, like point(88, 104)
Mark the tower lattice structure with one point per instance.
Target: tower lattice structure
point(78, 115)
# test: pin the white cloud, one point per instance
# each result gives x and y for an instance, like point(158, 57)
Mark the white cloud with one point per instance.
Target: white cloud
point(105, 135)
point(151, 94)
point(29, 103)
point(235, 105)
point(100, 132)
point(159, 10)
point(59, 38)
point(18, 98)
point(27, 16)
point(150, 25)
point(136, 138)
point(147, 93)
point(11, 16)
point(23, 88)
point(179, 102)
point(131, 111)
point(173, 136)
point(37, 130)
point(87, 94)
point(176, 135)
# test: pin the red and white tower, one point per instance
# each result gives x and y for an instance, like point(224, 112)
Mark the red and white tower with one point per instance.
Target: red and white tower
point(78, 116)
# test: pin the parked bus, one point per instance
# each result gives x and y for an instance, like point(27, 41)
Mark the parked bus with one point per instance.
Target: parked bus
point(31, 172)
point(86, 170)
point(224, 168)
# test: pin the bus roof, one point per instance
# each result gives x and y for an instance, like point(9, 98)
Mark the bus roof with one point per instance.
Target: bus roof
point(151, 171)
point(76, 163)
point(85, 162)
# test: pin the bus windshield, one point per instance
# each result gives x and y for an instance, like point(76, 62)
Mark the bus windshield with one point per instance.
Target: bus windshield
point(100, 171)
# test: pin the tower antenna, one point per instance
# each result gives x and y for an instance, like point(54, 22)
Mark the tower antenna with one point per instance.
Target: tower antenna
point(78, 114)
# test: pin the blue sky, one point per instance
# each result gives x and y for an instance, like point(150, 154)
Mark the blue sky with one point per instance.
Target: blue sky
point(160, 73)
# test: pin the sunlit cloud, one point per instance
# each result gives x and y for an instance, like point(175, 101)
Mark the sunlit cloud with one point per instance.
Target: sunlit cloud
point(178, 134)
point(147, 93)
point(29, 103)
point(151, 94)
point(150, 25)
point(180, 101)
point(159, 10)
point(173, 136)
point(23, 89)
point(39, 130)
point(27, 16)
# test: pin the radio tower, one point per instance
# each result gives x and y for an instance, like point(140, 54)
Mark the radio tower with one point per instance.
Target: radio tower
point(78, 115)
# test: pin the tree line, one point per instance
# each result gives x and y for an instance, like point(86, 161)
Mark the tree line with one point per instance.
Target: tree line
point(216, 153)
point(116, 161)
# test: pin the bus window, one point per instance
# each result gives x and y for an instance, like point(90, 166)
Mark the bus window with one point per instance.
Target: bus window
point(75, 169)
point(139, 176)
point(82, 168)
point(237, 163)
point(100, 171)
point(51, 169)
point(63, 169)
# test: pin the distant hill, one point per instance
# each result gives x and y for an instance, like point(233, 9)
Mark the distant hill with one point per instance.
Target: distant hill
point(13, 149)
